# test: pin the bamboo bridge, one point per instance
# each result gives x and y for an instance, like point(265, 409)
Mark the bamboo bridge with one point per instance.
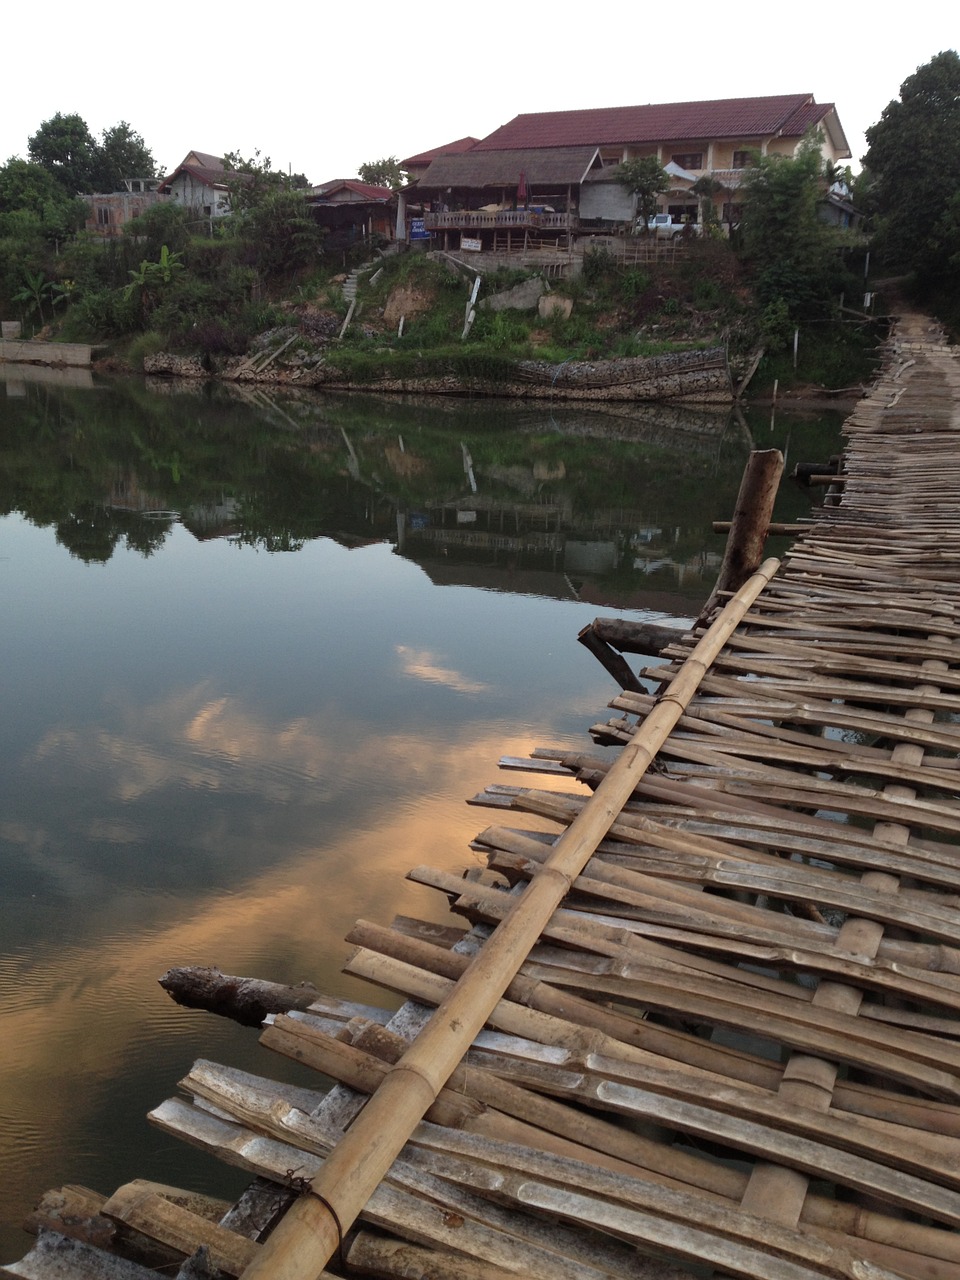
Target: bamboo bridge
point(712, 1027)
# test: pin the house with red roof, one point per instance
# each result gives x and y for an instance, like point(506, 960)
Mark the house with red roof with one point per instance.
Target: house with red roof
point(352, 210)
point(554, 173)
point(416, 166)
point(200, 182)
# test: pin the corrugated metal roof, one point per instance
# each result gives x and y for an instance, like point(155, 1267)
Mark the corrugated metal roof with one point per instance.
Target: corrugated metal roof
point(664, 122)
point(540, 166)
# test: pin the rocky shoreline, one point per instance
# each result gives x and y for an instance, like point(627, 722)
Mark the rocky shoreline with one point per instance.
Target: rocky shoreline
point(691, 377)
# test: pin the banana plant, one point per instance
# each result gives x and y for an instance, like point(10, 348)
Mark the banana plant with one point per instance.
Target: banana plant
point(35, 288)
point(149, 276)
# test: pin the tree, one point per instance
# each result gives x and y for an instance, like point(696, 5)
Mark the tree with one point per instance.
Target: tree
point(25, 185)
point(251, 181)
point(121, 153)
point(282, 234)
point(645, 178)
point(67, 150)
point(383, 173)
point(706, 189)
point(789, 251)
point(162, 224)
point(914, 160)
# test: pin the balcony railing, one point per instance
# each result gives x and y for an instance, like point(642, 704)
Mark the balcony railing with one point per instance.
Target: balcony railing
point(475, 220)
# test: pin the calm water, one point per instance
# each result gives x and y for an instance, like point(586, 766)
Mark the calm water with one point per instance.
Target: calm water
point(256, 653)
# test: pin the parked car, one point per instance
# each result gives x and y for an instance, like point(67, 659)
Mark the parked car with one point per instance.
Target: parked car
point(663, 227)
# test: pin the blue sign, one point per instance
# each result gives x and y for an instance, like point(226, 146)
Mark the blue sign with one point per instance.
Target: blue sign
point(417, 230)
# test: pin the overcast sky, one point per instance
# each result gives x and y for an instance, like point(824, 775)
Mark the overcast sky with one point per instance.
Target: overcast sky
point(323, 87)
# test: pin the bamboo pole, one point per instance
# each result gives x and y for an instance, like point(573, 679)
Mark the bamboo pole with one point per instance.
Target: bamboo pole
point(314, 1227)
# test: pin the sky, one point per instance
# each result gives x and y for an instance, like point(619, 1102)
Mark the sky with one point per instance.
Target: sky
point(323, 88)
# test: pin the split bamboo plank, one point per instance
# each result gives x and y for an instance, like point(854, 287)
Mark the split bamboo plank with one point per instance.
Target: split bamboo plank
point(143, 1208)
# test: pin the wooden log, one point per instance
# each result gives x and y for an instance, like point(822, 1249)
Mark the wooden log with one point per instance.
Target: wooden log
point(314, 1227)
point(776, 528)
point(245, 1000)
point(635, 637)
point(610, 660)
point(751, 516)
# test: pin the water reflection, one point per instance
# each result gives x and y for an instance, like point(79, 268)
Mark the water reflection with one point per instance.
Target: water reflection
point(550, 501)
point(212, 752)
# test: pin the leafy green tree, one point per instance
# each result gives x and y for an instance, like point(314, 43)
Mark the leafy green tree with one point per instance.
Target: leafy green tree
point(167, 223)
point(67, 150)
point(121, 153)
point(645, 178)
point(283, 236)
point(790, 253)
point(386, 172)
point(914, 160)
point(706, 189)
point(26, 185)
point(36, 218)
point(252, 180)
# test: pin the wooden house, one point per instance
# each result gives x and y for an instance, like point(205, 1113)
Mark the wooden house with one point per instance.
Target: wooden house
point(351, 210)
point(201, 182)
point(416, 166)
point(554, 173)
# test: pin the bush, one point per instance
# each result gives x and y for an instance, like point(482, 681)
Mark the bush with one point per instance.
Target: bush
point(102, 313)
point(501, 330)
point(145, 344)
point(162, 224)
point(598, 265)
point(776, 327)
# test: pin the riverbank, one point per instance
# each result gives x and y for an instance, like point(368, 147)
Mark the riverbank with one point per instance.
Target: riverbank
point(692, 377)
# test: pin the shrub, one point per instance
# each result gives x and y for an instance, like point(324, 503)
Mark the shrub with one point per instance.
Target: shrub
point(598, 264)
point(776, 327)
point(102, 313)
point(145, 344)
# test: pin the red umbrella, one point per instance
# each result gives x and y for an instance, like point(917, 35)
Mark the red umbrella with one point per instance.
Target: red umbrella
point(522, 188)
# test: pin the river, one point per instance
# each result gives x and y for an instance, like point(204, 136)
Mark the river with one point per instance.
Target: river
point(257, 651)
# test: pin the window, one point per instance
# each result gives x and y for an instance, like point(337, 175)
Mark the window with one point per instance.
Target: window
point(103, 215)
point(689, 159)
point(741, 159)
